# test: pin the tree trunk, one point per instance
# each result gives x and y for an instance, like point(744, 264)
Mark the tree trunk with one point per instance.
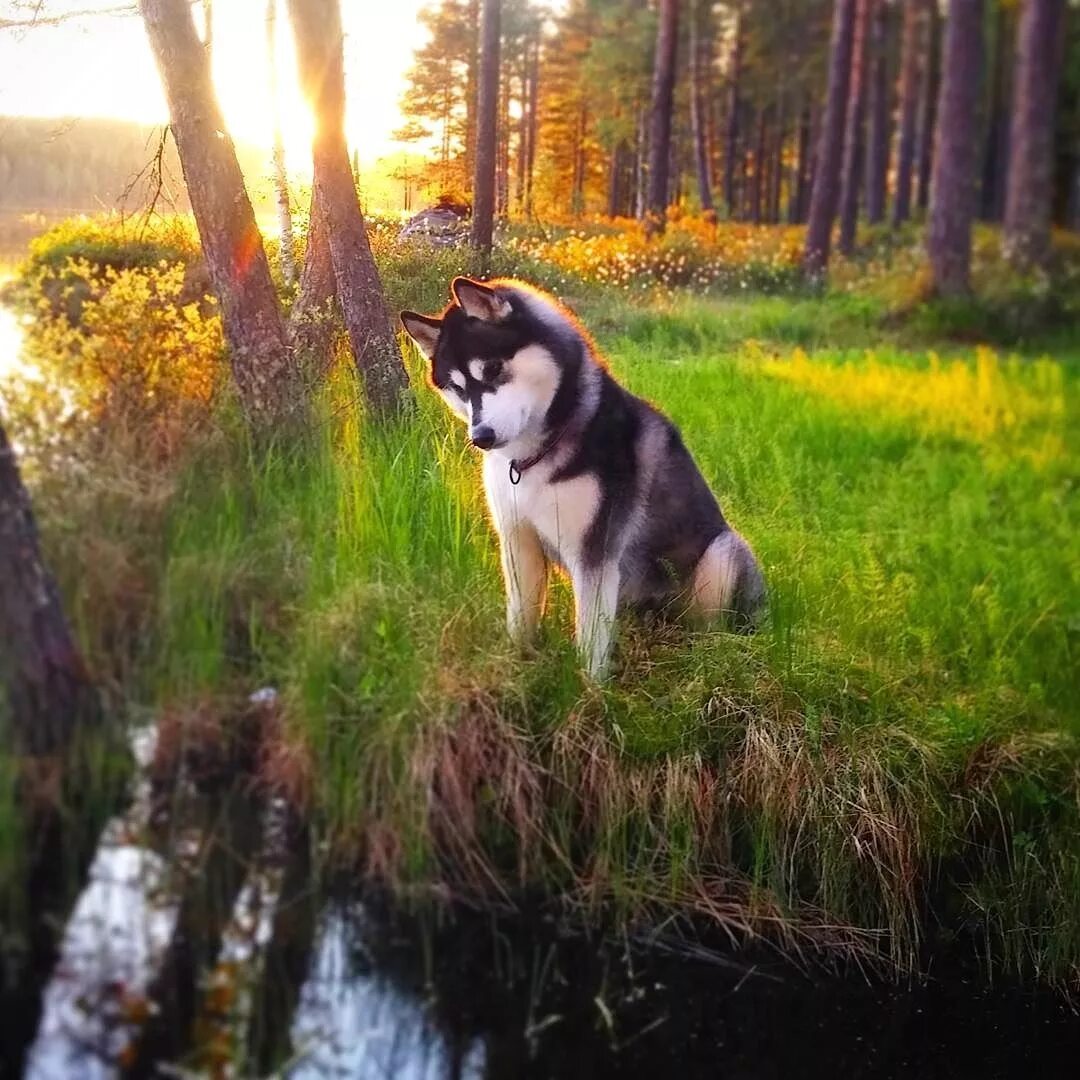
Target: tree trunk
point(776, 169)
point(281, 176)
point(877, 145)
point(486, 109)
point(472, 87)
point(956, 150)
point(259, 353)
point(522, 155)
point(914, 18)
point(1029, 197)
point(641, 164)
point(826, 190)
point(731, 134)
point(699, 45)
point(853, 130)
point(45, 691)
point(995, 148)
point(758, 190)
point(534, 122)
point(1072, 210)
point(312, 319)
point(928, 103)
point(320, 61)
point(663, 93)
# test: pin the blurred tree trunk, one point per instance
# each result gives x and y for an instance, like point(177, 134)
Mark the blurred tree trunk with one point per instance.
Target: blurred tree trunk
point(502, 173)
point(699, 56)
point(472, 87)
point(929, 91)
point(995, 151)
point(877, 144)
point(321, 63)
point(776, 164)
point(758, 189)
point(259, 353)
point(45, 691)
point(825, 194)
point(486, 109)
point(731, 134)
point(799, 194)
point(641, 164)
point(281, 177)
point(663, 94)
point(522, 154)
point(534, 121)
point(1029, 196)
point(914, 19)
point(313, 316)
point(851, 169)
point(956, 150)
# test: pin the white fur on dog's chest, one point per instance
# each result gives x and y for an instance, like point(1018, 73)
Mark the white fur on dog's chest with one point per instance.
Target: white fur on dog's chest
point(561, 513)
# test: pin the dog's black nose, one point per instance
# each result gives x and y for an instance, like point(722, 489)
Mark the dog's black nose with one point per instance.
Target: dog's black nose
point(484, 437)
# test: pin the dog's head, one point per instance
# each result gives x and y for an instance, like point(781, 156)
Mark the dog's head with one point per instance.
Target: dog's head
point(488, 362)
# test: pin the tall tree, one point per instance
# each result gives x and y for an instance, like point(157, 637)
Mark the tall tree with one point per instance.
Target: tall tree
point(995, 150)
point(660, 110)
point(929, 90)
point(799, 195)
point(731, 131)
point(851, 169)
point(877, 109)
point(825, 194)
point(259, 353)
point(321, 63)
point(699, 62)
point(914, 18)
point(45, 691)
point(1031, 167)
point(281, 176)
point(486, 124)
point(956, 150)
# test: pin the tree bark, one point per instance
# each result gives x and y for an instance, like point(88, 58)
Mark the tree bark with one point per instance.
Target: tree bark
point(797, 197)
point(826, 190)
point(320, 61)
point(486, 116)
point(758, 190)
point(45, 691)
point(312, 319)
point(914, 19)
point(928, 102)
point(534, 122)
point(699, 45)
point(1029, 196)
point(995, 149)
point(663, 93)
point(853, 130)
point(776, 166)
point(281, 176)
point(262, 363)
point(877, 144)
point(731, 133)
point(956, 150)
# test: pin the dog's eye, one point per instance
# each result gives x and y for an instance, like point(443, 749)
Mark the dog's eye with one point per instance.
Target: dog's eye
point(492, 370)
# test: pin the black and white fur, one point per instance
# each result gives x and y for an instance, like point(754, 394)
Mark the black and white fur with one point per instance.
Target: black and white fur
point(578, 471)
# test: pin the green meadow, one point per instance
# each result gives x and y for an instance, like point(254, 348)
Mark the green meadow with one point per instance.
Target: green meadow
point(889, 764)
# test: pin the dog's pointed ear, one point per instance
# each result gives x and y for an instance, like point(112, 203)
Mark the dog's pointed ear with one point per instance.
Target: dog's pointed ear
point(479, 300)
point(423, 329)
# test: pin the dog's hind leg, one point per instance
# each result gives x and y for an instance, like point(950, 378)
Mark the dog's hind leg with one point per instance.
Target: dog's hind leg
point(727, 581)
point(525, 574)
point(596, 598)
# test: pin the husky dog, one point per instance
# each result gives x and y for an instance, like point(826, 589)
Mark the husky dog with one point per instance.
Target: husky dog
point(578, 471)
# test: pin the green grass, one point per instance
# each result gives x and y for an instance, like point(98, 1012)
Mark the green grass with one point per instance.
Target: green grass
point(892, 757)
point(906, 717)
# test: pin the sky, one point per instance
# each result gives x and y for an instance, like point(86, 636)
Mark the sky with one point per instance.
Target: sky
point(102, 66)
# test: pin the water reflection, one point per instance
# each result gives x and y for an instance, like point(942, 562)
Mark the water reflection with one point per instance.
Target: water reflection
point(352, 1022)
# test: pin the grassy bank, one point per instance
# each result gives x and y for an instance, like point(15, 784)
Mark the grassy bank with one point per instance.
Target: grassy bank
point(894, 752)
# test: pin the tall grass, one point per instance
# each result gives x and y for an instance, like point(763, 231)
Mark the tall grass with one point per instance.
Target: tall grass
point(896, 729)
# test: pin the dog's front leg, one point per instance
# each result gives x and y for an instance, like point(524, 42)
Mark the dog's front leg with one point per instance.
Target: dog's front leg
point(596, 597)
point(525, 573)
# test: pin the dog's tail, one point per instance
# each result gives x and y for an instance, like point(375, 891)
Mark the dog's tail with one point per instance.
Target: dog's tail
point(728, 582)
